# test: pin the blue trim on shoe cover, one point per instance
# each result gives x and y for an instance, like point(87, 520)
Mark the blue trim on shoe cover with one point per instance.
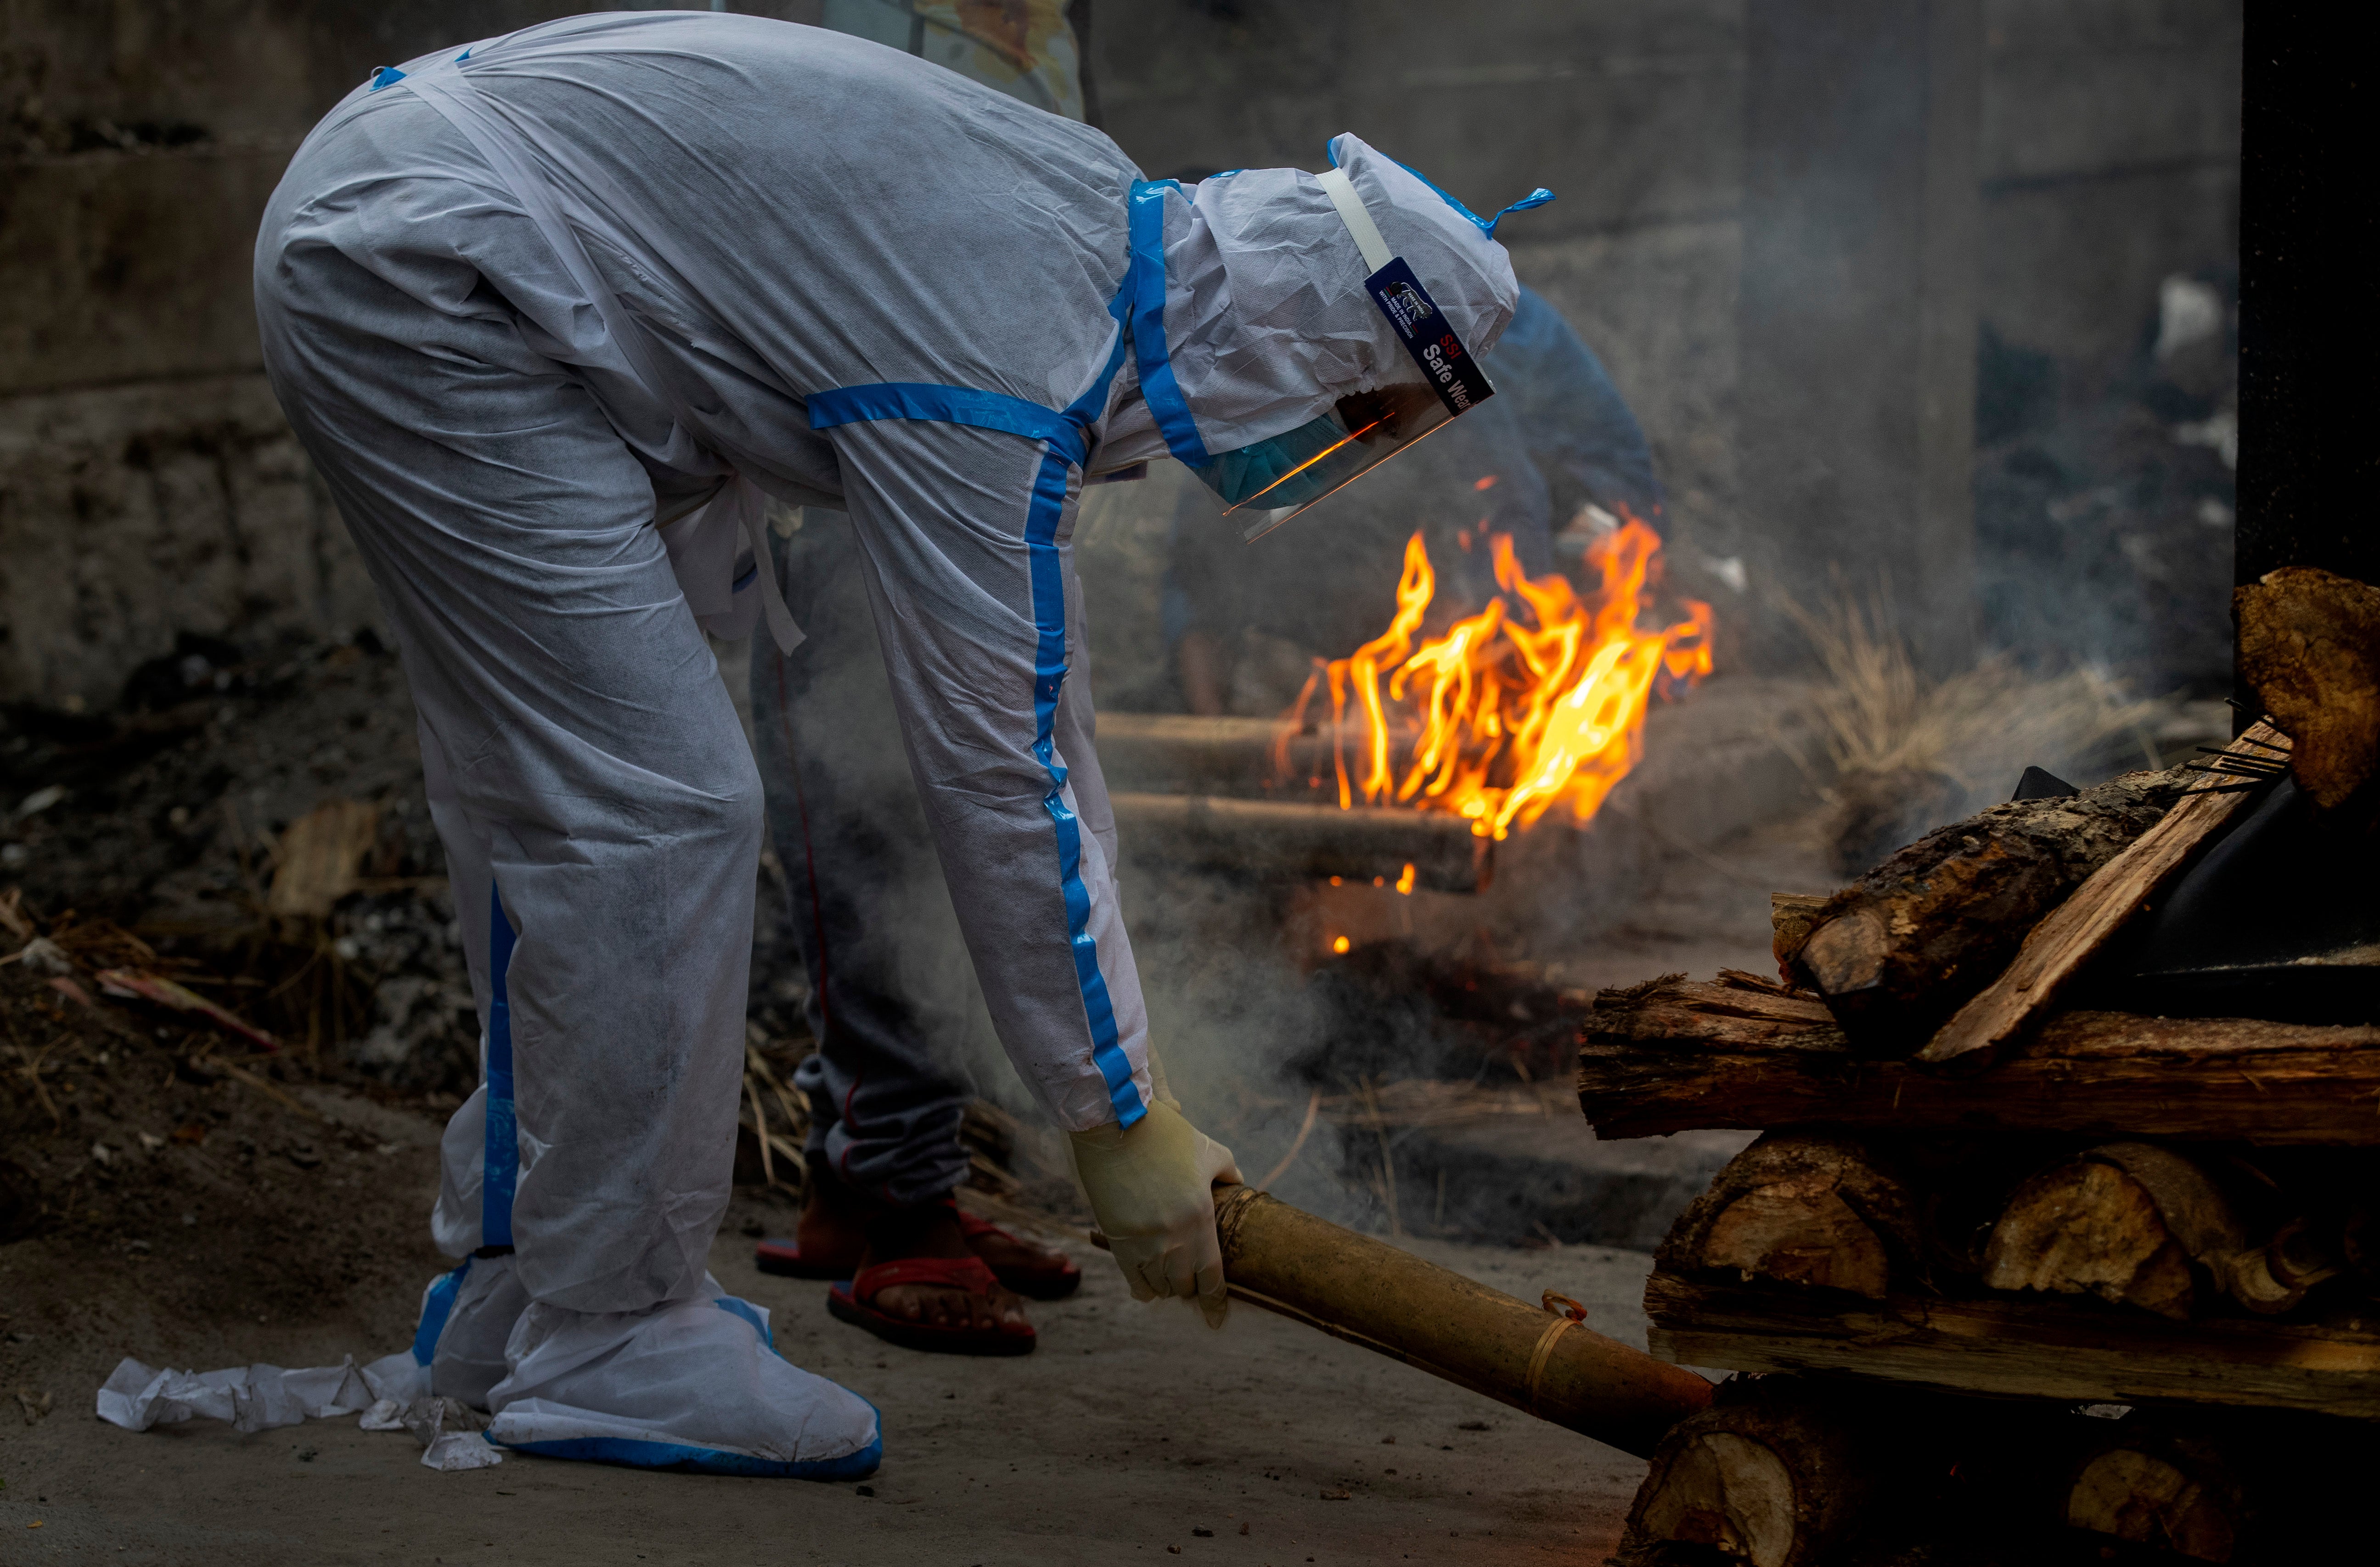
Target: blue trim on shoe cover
point(737, 1305)
point(437, 1305)
point(709, 1460)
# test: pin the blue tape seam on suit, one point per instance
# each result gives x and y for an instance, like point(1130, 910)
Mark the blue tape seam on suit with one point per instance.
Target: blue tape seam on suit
point(503, 1168)
point(1068, 446)
point(947, 404)
point(1145, 277)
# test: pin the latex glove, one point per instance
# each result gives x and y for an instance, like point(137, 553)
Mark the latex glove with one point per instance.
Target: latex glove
point(1152, 1187)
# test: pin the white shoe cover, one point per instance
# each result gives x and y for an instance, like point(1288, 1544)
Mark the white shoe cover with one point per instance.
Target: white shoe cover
point(689, 1384)
point(466, 1317)
point(470, 1355)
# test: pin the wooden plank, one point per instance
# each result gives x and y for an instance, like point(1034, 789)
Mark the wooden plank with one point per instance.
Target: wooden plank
point(1661, 1067)
point(1285, 839)
point(2077, 928)
point(2031, 1349)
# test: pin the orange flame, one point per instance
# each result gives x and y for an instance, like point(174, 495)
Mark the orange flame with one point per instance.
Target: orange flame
point(1499, 721)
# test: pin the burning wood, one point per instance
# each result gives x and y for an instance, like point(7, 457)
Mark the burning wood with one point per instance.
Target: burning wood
point(2084, 1352)
point(1537, 700)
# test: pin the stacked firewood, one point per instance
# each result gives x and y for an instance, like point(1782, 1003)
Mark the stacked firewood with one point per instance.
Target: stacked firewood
point(2017, 1276)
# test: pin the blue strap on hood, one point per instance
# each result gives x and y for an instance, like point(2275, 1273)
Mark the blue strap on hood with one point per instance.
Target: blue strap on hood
point(1536, 197)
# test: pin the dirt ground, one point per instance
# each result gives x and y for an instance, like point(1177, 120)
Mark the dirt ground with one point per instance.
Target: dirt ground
point(169, 1192)
point(267, 1217)
point(1131, 1433)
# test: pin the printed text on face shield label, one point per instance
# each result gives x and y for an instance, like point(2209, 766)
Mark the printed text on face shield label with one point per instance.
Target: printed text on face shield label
point(1452, 373)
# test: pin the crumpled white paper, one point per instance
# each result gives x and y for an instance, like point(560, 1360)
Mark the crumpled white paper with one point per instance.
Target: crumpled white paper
point(391, 1394)
point(252, 1398)
point(448, 1430)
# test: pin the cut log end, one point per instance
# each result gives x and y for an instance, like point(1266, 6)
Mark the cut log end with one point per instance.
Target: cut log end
point(2175, 1496)
point(1799, 1232)
point(2086, 1227)
point(1728, 1492)
point(1777, 1479)
point(1815, 1212)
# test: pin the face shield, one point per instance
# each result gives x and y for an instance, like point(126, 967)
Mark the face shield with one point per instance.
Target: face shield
point(1280, 478)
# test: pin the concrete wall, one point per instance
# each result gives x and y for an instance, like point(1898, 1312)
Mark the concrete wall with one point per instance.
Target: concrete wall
point(147, 485)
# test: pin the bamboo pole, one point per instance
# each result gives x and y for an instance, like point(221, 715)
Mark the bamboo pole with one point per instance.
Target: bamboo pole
point(1540, 1361)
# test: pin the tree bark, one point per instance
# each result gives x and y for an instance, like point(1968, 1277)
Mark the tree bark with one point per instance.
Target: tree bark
point(1897, 952)
point(2310, 648)
point(2021, 1346)
point(1674, 1056)
point(2055, 951)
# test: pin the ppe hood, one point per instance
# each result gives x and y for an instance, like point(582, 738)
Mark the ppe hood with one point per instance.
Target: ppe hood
point(1266, 321)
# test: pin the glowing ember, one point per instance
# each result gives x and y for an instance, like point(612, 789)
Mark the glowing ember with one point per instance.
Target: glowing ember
point(1499, 721)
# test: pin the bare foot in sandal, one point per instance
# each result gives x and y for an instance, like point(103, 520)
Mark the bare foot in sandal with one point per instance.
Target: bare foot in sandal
point(933, 1231)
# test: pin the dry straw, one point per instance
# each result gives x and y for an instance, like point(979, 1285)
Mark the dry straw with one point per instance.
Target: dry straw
point(1875, 711)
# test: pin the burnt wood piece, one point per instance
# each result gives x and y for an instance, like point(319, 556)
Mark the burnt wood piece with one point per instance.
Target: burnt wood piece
point(1899, 950)
point(1811, 1211)
point(1678, 1056)
point(2068, 936)
point(1777, 1478)
point(2084, 1353)
point(2310, 649)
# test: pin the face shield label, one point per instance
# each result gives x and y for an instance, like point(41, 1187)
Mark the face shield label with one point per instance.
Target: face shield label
point(1445, 363)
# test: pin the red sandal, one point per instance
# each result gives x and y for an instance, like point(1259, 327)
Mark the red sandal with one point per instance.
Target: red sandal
point(1049, 1282)
point(853, 1301)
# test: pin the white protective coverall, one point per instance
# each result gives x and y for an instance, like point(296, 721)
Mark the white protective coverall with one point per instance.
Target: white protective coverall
point(529, 306)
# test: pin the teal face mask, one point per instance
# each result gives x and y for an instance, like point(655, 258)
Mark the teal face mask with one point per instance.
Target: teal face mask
point(1283, 474)
point(1291, 471)
point(1283, 470)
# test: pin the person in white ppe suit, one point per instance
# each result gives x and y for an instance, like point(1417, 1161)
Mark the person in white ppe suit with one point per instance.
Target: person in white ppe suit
point(551, 315)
